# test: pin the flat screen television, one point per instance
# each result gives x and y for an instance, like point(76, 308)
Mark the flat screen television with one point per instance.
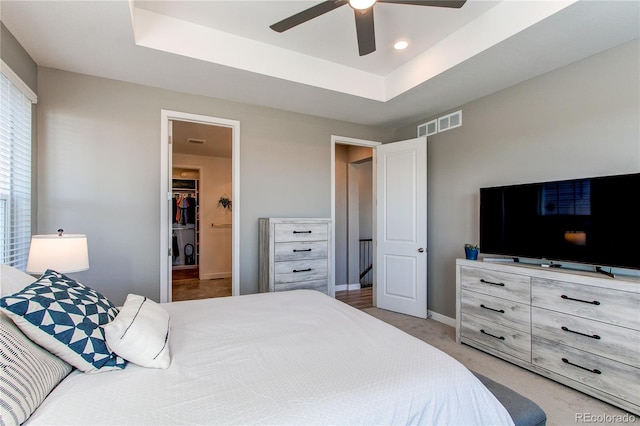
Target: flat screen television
point(594, 221)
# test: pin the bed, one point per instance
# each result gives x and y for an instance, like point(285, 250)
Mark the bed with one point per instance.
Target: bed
point(296, 357)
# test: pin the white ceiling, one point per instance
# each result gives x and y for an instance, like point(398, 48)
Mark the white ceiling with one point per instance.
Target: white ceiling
point(226, 50)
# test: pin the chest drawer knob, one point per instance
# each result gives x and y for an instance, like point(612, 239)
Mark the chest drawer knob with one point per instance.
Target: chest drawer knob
point(492, 309)
point(594, 302)
point(299, 250)
point(492, 283)
point(593, 336)
point(302, 232)
point(302, 270)
point(594, 371)
point(492, 335)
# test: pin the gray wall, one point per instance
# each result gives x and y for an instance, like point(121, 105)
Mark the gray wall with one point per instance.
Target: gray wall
point(578, 121)
point(99, 172)
point(14, 55)
point(99, 161)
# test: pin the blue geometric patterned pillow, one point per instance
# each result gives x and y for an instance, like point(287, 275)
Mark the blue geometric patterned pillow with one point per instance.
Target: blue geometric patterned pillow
point(66, 318)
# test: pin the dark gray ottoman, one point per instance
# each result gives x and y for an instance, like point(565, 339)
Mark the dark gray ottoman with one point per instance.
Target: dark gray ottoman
point(523, 411)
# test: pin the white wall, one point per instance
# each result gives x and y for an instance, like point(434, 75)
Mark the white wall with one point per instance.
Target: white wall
point(99, 172)
point(580, 120)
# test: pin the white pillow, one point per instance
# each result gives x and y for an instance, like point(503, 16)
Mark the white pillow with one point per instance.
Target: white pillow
point(13, 280)
point(140, 333)
point(29, 373)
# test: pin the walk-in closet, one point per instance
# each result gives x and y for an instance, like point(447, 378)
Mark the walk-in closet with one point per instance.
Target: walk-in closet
point(202, 204)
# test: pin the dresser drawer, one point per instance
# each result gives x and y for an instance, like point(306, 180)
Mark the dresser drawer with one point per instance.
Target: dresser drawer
point(499, 284)
point(501, 311)
point(610, 341)
point(301, 270)
point(300, 232)
point(320, 285)
point(603, 374)
point(496, 336)
point(602, 304)
point(300, 250)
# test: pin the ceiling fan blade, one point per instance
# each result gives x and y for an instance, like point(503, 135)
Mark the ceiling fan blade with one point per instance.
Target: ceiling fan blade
point(456, 4)
point(307, 14)
point(365, 31)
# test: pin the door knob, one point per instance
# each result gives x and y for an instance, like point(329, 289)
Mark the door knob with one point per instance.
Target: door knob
point(420, 250)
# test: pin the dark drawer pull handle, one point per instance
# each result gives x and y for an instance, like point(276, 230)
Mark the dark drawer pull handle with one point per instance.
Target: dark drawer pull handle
point(297, 250)
point(595, 302)
point(594, 371)
point(302, 270)
point(492, 283)
point(594, 336)
point(489, 334)
point(491, 309)
point(301, 232)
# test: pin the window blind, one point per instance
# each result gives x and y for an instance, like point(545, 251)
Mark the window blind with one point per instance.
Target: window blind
point(15, 173)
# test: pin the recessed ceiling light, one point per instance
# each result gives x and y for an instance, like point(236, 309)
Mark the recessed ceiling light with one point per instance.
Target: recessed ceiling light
point(401, 45)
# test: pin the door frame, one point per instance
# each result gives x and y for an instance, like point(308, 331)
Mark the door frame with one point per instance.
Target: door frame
point(343, 140)
point(165, 195)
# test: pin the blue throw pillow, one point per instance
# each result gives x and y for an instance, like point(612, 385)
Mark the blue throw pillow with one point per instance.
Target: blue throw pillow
point(66, 318)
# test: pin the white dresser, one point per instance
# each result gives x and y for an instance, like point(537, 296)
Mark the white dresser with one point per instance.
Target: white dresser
point(295, 253)
point(581, 329)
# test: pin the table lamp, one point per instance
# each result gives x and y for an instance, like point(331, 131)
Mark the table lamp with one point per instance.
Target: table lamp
point(62, 253)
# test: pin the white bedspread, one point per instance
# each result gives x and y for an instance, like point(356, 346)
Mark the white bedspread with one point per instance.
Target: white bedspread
point(296, 357)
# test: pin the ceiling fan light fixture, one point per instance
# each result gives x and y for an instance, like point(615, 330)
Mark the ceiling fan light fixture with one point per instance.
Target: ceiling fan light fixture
point(400, 45)
point(361, 4)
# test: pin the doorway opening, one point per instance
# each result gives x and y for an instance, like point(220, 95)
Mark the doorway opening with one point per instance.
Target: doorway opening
point(353, 220)
point(399, 181)
point(200, 219)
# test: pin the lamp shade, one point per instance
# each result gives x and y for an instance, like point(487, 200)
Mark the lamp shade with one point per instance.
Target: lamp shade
point(62, 253)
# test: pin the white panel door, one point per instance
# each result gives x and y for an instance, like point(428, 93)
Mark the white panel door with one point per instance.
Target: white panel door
point(401, 252)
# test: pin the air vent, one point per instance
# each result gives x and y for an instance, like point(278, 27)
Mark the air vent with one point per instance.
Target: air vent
point(450, 121)
point(428, 129)
point(446, 122)
point(196, 141)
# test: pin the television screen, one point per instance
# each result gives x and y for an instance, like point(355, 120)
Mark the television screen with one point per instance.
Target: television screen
point(592, 220)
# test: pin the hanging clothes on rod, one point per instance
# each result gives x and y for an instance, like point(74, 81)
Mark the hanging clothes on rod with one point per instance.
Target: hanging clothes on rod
point(175, 249)
point(184, 208)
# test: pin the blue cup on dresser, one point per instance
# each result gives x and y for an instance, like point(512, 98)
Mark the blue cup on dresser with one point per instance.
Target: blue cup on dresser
point(471, 252)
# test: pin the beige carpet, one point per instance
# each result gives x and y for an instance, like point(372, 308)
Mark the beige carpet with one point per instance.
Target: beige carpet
point(563, 405)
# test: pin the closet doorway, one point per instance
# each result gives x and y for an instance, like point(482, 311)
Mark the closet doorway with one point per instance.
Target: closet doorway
point(201, 214)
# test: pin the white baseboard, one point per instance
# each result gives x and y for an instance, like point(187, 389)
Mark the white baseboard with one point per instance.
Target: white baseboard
point(345, 287)
point(215, 275)
point(441, 318)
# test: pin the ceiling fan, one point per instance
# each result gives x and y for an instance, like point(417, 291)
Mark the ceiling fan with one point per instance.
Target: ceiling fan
point(363, 10)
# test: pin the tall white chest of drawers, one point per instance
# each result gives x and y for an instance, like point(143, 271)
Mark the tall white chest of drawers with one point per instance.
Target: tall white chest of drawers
point(295, 253)
point(581, 329)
